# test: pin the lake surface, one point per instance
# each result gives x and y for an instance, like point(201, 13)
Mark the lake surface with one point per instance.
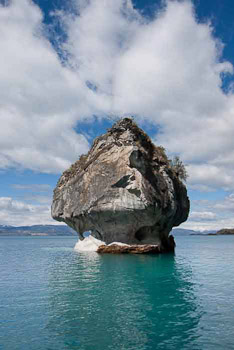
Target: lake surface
point(53, 298)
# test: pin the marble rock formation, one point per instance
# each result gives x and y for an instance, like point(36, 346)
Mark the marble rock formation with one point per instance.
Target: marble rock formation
point(124, 190)
point(129, 249)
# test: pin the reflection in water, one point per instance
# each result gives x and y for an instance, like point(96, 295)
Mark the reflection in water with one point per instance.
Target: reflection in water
point(122, 302)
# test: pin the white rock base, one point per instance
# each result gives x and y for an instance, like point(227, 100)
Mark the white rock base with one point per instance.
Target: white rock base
point(89, 244)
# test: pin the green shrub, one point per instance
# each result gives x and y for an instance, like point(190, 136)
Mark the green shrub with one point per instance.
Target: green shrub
point(179, 168)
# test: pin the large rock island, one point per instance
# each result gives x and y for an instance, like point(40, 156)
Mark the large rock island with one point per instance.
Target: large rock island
point(124, 191)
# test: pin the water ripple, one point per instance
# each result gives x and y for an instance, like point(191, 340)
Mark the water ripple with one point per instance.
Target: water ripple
point(54, 298)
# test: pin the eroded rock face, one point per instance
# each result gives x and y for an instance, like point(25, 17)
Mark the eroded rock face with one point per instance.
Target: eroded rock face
point(123, 190)
point(129, 249)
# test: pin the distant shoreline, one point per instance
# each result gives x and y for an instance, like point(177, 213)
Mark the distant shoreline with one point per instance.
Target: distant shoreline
point(65, 231)
point(211, 234)
point(223, 232)
point(36, 230)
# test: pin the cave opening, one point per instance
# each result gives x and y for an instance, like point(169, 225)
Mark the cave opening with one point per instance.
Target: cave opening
point(143, 233)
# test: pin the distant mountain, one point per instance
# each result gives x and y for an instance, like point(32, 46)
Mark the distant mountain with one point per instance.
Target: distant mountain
point(64, 230)
point(37, 230)
point(184, 232)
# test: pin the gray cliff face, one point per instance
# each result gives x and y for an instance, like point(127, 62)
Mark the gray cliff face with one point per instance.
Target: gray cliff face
point(123, 190)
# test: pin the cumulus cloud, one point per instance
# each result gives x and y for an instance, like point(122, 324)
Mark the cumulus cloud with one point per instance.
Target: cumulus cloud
point(39, 97)
point(204, 216)
point(28, 206)
point(167, 71)
point(211, 214)
point(226, 205)
point(14, 212)
point(208, 177)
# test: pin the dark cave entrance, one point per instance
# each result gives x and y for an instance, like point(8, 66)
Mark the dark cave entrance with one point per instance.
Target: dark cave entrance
point(143, 233)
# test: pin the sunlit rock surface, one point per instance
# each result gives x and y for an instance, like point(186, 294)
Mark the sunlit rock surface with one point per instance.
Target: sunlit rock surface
point(123, 190)
point(88, 244)
point(128, 249)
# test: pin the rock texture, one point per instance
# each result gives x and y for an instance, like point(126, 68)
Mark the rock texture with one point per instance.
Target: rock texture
point(123, 190)
point(129, 249)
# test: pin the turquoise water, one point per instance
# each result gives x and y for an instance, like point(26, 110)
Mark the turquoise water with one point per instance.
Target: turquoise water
point(52, 298)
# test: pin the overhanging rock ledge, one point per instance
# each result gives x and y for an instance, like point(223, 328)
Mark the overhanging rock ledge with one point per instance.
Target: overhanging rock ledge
point(124, 190)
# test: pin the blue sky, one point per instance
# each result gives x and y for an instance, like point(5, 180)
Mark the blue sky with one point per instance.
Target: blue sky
point(68, 68)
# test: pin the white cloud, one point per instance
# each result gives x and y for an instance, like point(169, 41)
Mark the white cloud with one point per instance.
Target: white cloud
point(207, 177)
point(30, 205)
point(17, 213)
point(39, 199)
point(226, 205)
point(211, 214)
point(40, 99)
point(33, 187)
point(202, 216)
point(166, 71)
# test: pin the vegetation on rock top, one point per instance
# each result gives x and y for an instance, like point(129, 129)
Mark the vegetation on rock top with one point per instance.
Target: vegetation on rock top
point(150, 152)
